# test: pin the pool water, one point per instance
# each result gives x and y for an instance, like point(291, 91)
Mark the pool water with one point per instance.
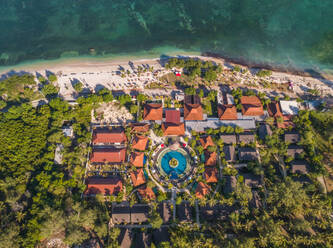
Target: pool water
point(173, 171)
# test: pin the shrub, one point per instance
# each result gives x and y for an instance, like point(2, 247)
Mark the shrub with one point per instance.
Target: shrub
point(264, 73)
point(52, 78)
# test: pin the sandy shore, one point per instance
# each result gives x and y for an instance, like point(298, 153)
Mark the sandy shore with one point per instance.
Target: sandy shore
point(107, 73)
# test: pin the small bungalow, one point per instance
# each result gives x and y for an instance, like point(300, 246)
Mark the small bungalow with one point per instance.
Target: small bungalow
point(227, 112)
point(300, 167)
point(146, 193)
point(287, 122)
point(139, 213)
point(294, 150)
point(137, 159)
point(139, 127)
point(115, 135)
point(291, 137)
point(210, 158)
point(251, 180)
point(247, 137)
point(230, 184)
point(171, 129)
point(247, 154)
point(138, 177)
point(206, 142)
point(228, 138)
point(172, 116)
point(251, 106)
point(289, 107)
point(229, 153)
point(274, 109)
point(201, 190)
point(153, 112)
point(121, 213)
point(104, 186)
point(140, 143)
point(184, 212)
point(165, 210)
point(264, 131)
point(211, 175)
point(192, 108)
point(108, 155)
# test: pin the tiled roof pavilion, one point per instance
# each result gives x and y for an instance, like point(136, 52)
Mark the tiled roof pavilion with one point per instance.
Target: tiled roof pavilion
point(153, 112)
point(251, 105)
point(140, 143)
point(104, 186)
point(107, 136)
point(227, 112)
point(108, 155)
point(193, 108)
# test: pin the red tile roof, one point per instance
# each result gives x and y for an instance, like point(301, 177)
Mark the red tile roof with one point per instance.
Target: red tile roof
point(140, 143)
point(137, 159)
point(227, 112)
point(146, 192)
point(104, 186)
point(153, 112)
point(207, 141)
point(274, 109)
point(108, 155)
point(172, 116)
point(211, 158)
point(107, 136)
point(140, 127)
point(211, 175)
point(138, 177)
point(192, 108)
point(251, 105)
point(173, 129)
point(201, 190)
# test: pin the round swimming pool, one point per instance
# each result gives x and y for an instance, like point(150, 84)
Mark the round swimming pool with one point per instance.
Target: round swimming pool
point(176, 169)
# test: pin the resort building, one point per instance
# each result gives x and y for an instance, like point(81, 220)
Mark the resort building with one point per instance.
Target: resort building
point(274, 109)
point(201, 190)
point(252, 181)
point(165, 210)
point(146, 192)
point(137, 159)
point(206, 142)
point(121, 213)
point(106, 136)
point(287, 122)
point(264, 131)
point(210, 158)
point(294, 150)
point(108, 155)
point(289, 107)
point(300, 167)
point(229, 153)
point(228, 138)
point(138, 177)
point(140, 127)
point(291, 137)
point(230, 184)
point(104, 186)
point(251, 106)
point(171, 129)
point(211, 174)
point(247, 154)
point(246, 138)
point(140, 143)
point(184, 212)
point(153, 112)
point(172, 116)
point(227, 112)
point(192, 108)
point(139, 213)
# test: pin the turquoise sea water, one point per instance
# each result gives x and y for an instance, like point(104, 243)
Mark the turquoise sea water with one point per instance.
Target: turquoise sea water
point(284, 32)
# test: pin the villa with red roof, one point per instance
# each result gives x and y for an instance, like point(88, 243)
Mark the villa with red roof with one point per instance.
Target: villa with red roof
point(251, 106)
point(227, 112)
point(153, 112)
point(103, 186)
point(211, 174)
point(137, 159)
point(108, 155)
point(207, 141)
point(172, 116)
point(201, 190)
point(210, 158)
point(192, 108)
point(171, 129)
point(138, 177)
point(146, 192)
point(274, 109)
point(140, 143)
point(116, 135)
